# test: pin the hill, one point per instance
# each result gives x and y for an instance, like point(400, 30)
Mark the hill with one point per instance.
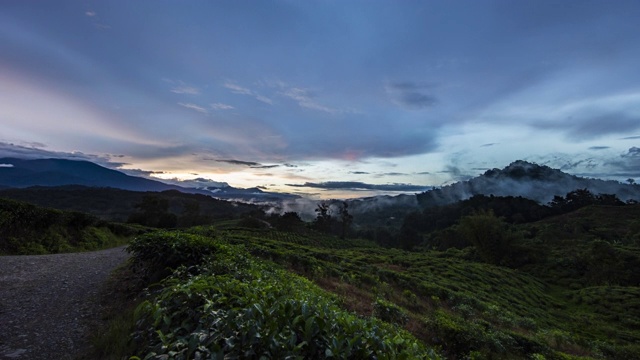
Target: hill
point(525, 179)
point(118, 205)
point(29, 229)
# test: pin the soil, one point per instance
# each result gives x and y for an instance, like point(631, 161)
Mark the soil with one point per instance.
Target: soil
point(49, 303)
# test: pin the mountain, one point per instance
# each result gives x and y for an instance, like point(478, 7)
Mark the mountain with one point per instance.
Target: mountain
point(521, 178)
point(22, 173)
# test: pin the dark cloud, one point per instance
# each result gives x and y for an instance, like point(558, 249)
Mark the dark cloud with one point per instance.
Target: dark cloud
point(31, 152)
point(599, 147)
point(239, 162)
point(424, 173)
point(411, 96)
point(360, 186)
point(633, 152)
point(264, 167)
point(631, 137)
point(584, 163)
point(392, 174)
point(359, 172)
point(488, 145)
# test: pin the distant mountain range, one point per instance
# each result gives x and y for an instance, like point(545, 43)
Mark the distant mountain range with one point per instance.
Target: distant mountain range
point(520, 178)
point(529, 180)
point(22, 173)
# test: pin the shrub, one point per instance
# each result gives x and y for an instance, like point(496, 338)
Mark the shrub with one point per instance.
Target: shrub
point(389, 312)
point(238, 307)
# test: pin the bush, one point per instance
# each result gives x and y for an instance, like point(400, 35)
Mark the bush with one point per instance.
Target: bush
point(239, 307)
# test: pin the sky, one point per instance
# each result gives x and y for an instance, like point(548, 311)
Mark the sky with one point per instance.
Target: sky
point(323, 98)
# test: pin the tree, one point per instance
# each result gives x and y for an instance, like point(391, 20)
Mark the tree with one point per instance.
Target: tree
point(289, 221)
point(323, 218)
point(345, 219)
point(488, 233)
point(631, 181)
point(153, 211)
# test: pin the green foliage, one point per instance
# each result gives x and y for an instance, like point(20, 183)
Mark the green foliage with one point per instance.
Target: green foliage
point(389, 312)
point(237, 307)
point(546, 308)
point(119, 205)
point(488, 234)
point(160, 252)
point(29, 229)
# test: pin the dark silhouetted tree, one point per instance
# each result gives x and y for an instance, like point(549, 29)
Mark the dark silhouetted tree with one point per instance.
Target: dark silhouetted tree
point(289, 221)
point(345, 219)
point(323, 218)
point(153, 211)
point(488, 233)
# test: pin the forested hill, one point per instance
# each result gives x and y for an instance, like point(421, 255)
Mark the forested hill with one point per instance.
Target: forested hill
point(529, 180)
point(119, 205)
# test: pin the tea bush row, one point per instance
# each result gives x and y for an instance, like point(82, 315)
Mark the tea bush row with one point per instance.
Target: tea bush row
point(222, 302)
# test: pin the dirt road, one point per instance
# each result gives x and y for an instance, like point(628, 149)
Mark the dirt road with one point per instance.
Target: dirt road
point(48, 301)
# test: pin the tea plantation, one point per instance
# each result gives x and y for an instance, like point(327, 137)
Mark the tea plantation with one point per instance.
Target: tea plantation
point(228, 291)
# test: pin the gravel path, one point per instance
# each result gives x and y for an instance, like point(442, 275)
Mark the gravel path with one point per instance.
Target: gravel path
point(48, 301)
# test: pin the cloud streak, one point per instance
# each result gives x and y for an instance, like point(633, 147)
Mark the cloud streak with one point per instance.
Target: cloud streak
point(195, 107)
point(185, 90)
point(361, 186)
point(237, 89)
point(305, 99)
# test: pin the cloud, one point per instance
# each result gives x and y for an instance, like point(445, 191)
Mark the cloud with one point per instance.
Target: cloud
point(6, 165)
point(599, 147)
point(488, 145)
point(239, 162)
point(198, 183)
point(10, 150)
point(631, 137)
point(186, 90)
point(456, 173)
point(359, 172)
point(361, 186)
point(304, 98)
point(584, 163)
point(627, 165)
point(237, 89)
point(195, 107)
point(90, 13)
point(604, 124)
point(251, 164)
point(411, 95)
point(264, 99)
point(633, 152)
point(221, 106)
